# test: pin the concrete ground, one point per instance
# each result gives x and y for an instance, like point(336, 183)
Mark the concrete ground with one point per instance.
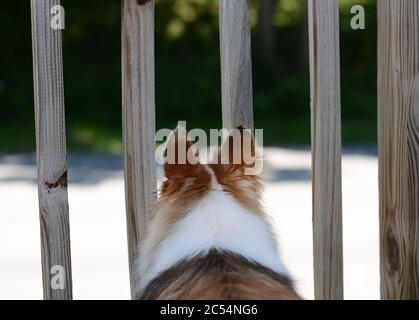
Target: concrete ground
point(98, 229)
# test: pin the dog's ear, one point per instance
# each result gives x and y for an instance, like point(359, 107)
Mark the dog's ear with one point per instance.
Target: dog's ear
point(181, 158)
point(237, 151)
point(238, 168)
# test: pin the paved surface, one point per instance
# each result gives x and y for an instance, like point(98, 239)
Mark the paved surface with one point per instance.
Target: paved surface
point(96, 197)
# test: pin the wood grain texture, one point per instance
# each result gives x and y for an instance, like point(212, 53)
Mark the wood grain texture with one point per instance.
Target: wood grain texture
point(236, 64)
point(326, 148)
point(398, 138)
point(138, 104)
point(51, 148)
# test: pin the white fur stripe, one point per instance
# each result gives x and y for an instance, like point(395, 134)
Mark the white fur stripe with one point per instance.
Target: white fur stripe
point(217, 221)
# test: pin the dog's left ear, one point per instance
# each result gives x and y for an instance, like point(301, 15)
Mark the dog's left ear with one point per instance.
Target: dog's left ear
point(182, 160)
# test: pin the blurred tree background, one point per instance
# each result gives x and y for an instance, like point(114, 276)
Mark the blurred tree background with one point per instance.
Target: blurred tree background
point(187, 71)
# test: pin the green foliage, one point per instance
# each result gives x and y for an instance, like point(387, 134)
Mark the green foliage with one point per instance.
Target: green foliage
point(187, 72)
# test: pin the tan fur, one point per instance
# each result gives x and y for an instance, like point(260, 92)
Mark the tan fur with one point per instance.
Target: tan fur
point(220, 275)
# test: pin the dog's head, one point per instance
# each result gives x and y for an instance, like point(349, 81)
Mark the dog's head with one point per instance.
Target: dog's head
point(188, 180)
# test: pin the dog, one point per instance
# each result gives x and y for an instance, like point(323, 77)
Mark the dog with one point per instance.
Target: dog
point(209, 237)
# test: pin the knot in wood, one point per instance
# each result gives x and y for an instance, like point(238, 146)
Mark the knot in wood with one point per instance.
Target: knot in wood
point(60, 183)
point(393, 254)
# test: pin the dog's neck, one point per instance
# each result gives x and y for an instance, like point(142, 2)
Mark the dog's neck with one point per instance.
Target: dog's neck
point(216, 221)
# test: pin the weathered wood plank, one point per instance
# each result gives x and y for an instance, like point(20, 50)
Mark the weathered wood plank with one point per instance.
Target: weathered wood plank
point(51, 151)
point(326, 148)
point(138, 103)
point(236, 64)
point(398, 139)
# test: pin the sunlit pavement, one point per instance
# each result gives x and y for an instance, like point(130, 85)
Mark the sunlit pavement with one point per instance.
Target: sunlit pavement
point(98, 226)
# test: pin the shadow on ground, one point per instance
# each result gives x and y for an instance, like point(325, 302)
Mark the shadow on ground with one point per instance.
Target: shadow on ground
point(91, 168)
point(82, 168)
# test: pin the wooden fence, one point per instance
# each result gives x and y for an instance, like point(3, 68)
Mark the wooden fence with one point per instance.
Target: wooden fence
point(398, 134)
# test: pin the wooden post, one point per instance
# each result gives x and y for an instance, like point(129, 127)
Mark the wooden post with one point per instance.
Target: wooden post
point(398, 140)
point(51, 152)
point(326, 148)
point(236, 64)
point(138, 102)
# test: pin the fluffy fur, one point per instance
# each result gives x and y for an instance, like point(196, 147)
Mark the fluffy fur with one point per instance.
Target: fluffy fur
point(209, 237)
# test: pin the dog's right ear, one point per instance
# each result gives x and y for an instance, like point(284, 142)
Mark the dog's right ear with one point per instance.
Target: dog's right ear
point(238, 152)
point(235, 170)
point(181, 158)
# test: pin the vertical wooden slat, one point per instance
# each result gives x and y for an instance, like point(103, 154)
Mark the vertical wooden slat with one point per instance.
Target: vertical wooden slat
point(398, 138)
point(236, 64)
point(51, 151)
point(138, 103)
point(326, 148)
